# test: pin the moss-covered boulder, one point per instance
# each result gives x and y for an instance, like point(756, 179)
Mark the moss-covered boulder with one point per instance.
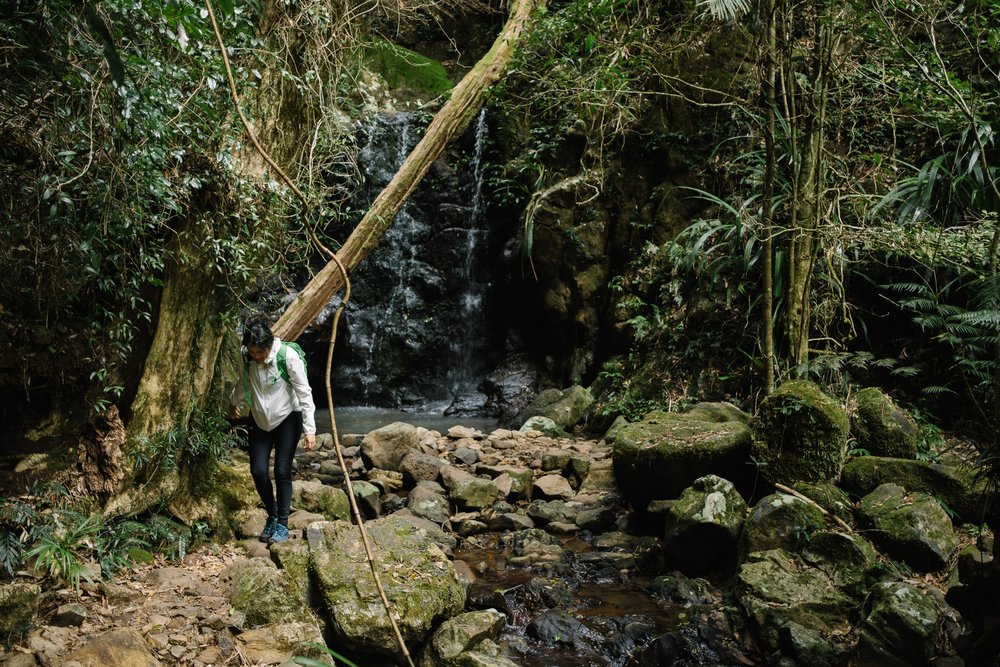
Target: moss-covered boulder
point(266, 594)
point(18, 606)
point(954, 485)
point(565, 407)
point(900, 628)
point(420, 582)
point(800, 434)
point(849, 560)
point(461, 634)
point(911, 527)
point(830, 497)
point(314, 496)
point(703, 525)
point(780, 521)
point(779, 591)
point(660, 456)
point(721, 411)
point(881, 427)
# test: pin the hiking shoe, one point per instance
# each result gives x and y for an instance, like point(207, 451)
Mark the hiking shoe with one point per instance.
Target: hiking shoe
point(268, 531)
point(280, 534)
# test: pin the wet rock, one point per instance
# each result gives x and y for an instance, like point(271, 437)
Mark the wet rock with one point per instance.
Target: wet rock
point(780, 521)
point(909, 527)
point(510, 521)
point(329, 501)
point(417, 466)
point(703, 525)
point(555, 626)
point(596, 519)
point(900, 627)
point(535, 546)
point(553, 486)
point(881, 427)
point(117, 647)
point(679, 589)
point(663, 454)
point(279, 643)
point(386, 447)
point(546, 511)
point(460, 634)
point(419, 581)
point(18, 606)
point(800, 434)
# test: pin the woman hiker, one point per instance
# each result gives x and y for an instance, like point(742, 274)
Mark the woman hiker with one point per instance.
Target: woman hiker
point(274, 383)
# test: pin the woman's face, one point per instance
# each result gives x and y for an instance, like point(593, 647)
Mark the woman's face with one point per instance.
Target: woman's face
point(257, 353)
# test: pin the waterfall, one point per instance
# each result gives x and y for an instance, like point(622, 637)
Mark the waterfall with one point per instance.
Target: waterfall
point(416, 325)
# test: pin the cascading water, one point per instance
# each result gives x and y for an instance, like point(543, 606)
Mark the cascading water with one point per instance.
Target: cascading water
point(417, 324)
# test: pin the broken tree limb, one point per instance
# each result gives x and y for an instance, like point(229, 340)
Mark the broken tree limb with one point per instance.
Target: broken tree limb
point(450, 122)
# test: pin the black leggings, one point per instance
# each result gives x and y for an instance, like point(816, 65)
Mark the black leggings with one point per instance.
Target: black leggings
point(283, 439)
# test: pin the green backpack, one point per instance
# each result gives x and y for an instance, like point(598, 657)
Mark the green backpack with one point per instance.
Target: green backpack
point(282, 365)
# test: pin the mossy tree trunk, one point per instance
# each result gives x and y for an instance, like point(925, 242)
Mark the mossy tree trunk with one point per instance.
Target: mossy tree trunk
point(449, 123)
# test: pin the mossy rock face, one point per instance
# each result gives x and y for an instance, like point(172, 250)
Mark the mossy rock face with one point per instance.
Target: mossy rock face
point(460, 634)
point(403, 68)
point(800, 434)
point(780, 521)
point(266, 594)
point(564, 407)
point(776, 589)
point(900, 628)
point(702, 526)
point(18, 606)
point(882, 428)
point(955, 486)
point(659, 457)
point(912, 528)
point(830, 497)
point(722, 411)
point(420, 582)
point(849, 560)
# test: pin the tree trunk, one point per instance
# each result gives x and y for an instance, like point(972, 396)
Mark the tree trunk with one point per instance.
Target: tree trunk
point(181, 361)
point(767, 200)
point(449, 123)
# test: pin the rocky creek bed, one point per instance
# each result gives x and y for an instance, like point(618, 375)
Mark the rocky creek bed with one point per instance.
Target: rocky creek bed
point(535, 548)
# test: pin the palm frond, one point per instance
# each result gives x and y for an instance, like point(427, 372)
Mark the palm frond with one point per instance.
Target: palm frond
point(725, 10)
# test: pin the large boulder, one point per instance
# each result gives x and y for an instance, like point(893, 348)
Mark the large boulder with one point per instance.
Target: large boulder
point(703, 525)
point(459, 635)
point(881, 428)
point(660, 456)
point(850, 561)
point(780, 521)
point(266, 594)
point(564, 407)
point(722, 411)
point(124, 646)
point(386, 447)
point(278, 643)
point(784, 597)
point(420, 582)
point(913, 528)
point(314, 496)
point(900, 628)
point(800, 434)
point(955, 485)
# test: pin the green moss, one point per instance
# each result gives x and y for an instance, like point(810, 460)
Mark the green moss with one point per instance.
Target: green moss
point(402, 68)
point(882, 428)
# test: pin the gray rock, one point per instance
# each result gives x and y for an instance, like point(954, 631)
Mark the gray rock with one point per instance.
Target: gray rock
point(466, 455)
point(73, 614)
point(367, 497)
point(420, 582)
point(446, 541)
point(300, 519)
point(780, 521)
point(280, 642)
point(555, 460)
point(386, 447)
point(387, 481)
point(899, 628)
point(543, 425)
point(426, 503)
point(510, 521)
point(474, 493)
point(564, 407)
point(553, 486)
point(703, 525)
point(912, 528)
point(417, 466)
point(329, 501)
point(460, 634)
point(849, 560)
point(118, 647)
point(595, 519)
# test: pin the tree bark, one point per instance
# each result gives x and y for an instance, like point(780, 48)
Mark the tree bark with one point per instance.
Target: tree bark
point(449, 123)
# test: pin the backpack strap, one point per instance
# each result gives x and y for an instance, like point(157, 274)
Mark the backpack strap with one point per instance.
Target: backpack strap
point(283, 362)
point(246, 386)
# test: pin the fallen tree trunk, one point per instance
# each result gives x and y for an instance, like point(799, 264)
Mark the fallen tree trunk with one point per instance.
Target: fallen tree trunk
point(450, 122)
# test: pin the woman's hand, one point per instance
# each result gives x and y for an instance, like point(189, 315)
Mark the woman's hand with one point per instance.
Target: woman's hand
point(310, 441)
point(234, 411)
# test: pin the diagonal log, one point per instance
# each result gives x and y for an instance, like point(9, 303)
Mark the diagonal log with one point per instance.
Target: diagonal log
point(450, 122)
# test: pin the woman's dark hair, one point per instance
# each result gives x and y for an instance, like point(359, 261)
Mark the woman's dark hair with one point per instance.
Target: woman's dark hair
point(257, 331)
